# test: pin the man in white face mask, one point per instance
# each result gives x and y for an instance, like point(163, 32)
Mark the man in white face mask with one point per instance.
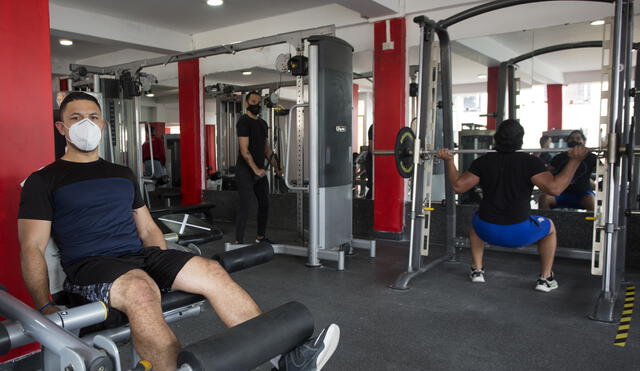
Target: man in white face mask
point(112, 250)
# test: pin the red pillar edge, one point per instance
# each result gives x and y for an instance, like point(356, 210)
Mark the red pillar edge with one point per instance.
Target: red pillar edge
point(210, 138)
point(189, 106)
point(492, 96)
point(389, 86)
point(554, 106)
point(26, 121)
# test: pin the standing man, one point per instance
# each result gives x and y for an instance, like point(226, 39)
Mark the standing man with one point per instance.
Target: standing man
point(579, 194)
point(250, 167)
point(507, 178)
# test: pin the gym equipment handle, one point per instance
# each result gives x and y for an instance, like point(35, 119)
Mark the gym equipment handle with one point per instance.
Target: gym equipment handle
point(286, 167)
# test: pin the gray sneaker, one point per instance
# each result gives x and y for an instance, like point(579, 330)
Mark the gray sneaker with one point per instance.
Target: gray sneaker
point(546, 284)
point(314, 353)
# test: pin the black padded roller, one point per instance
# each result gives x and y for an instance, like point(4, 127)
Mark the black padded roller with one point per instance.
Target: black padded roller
point(252, 343)
point(246, 257)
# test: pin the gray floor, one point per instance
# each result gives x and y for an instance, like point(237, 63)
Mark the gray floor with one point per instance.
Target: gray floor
point(443, 322)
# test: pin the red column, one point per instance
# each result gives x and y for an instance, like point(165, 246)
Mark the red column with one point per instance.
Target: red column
point(492, 95)
point(554, 106)
point(25, 121)
point(210, 143)
point(389, 90)
point(355, 134)
point(189, 106)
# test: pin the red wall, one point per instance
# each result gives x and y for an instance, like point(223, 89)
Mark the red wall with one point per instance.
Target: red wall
point(389, 90)
point(26, 123)
point(492, 95)
point(554, 106)
point(189, 106)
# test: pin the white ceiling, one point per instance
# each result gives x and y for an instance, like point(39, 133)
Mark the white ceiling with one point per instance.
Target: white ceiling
point(190, 16)
point(80, 49)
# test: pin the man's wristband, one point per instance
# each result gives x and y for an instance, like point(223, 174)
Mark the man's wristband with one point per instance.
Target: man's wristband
point(46, 305)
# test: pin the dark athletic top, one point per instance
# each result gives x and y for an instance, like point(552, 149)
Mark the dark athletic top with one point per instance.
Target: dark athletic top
point(581, 179)
point(505, 178)
point(256, 130)
point(90, 206)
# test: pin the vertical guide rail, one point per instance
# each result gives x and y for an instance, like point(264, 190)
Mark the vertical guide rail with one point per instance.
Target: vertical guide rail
point(429, 128)
point(314, 169)
point(300, 152)
point(623, 129)
point(603, 310)
point(417, 188)
point(598, 243)
point(427, 115)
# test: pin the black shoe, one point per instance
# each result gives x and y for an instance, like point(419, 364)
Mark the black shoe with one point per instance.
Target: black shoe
point(314, 353)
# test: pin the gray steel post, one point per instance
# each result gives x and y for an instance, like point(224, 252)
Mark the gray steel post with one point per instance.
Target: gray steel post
point(314, 170)
point(447, 110)
point(511, 81)
point(624, 130)
point(417, 190)
point(634, 140)
point(603, 310)
point(502, 96)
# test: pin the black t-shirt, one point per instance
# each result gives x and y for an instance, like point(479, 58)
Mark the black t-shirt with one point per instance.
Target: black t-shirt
point(256, 130)
point(581, 181)
point(89, 204)
point(505, 178)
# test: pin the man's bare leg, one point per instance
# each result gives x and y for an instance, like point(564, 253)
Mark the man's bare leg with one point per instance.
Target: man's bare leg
point(547, 249)
point(206, 277)
point(588, 202)
point(477, 248)
point(546, 202)
point(138, 296)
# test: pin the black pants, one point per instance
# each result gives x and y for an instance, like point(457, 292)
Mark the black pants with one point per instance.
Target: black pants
point(246, 184)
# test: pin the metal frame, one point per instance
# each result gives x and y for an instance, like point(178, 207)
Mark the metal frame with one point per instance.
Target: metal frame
point(506, 74)
point(621, 44)
point(293, 37)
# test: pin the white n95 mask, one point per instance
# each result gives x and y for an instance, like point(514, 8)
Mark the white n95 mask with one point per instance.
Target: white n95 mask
point(85, 134)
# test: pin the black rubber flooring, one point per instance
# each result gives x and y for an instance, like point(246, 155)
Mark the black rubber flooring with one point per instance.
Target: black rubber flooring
point(444, 322)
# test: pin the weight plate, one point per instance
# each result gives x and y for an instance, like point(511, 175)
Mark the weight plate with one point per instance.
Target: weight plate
point(403, 152)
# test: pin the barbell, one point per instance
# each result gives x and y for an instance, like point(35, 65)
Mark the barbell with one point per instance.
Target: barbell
point(405, 142)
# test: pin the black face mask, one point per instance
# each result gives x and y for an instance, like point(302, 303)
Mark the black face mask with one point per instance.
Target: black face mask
point(254, 108)
point(573, 143)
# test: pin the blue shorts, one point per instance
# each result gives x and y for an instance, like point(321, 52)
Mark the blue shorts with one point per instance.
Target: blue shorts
point(572, 200)
point(512, 235)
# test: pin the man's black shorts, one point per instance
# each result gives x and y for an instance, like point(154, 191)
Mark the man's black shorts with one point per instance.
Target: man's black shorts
point(92, 277)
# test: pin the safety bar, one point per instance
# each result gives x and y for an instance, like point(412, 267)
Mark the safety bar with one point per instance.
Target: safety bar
point(51, 336)
point(286, 167)
point(70, 319)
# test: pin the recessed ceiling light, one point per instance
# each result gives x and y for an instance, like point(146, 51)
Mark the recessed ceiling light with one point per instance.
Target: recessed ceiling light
point(482, 76)
point(66, 42)
point(215, 2)
point(597, 22)
point(247, 73)
point(150, 95)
